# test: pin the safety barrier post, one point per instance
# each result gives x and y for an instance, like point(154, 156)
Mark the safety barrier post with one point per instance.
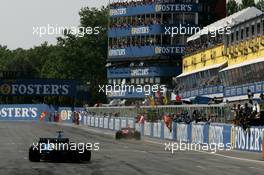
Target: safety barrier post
point(262, 144)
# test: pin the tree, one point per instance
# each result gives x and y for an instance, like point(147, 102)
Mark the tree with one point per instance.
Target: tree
point(232, 7)
point(260, 5)
point(73, 57)
point(247, 3)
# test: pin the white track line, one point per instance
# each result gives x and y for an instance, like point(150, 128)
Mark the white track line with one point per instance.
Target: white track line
point(216, 154)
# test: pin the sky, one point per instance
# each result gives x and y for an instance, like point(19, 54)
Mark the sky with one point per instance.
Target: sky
point(20, 18)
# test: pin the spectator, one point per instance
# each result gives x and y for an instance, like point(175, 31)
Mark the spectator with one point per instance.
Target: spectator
point(178, 97)
point(250, 96)
point(262, 96)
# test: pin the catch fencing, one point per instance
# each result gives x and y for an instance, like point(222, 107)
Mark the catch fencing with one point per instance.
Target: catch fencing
point(220, 113)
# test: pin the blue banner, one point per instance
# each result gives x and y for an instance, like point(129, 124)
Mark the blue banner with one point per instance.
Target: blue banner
point(145, 51)
point(243, 89)
point(153, 8)
point(142, 72)
point(66, 114)
point(133, 31)
point(39, 87)
point(34, 112)
point(210, 90)
point(248, 140)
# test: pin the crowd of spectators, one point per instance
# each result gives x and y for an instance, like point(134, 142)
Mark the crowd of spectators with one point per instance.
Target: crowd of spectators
point(202, 43)
point(142, 21)
point(249, 114)
point(126, 3)
point(134, 42)
point(184, 85)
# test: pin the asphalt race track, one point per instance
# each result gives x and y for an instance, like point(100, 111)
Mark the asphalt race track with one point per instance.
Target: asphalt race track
point(115, 157)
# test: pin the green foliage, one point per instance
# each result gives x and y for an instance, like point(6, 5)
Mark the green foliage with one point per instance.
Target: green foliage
point(232, 7)
point(260, 5)
point(247, 3)
point(73, 57)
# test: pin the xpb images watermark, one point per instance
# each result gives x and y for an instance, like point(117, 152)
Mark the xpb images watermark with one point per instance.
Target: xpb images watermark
point(206, 147)
point(124, 88)
point(80, 147)
point(41, 31)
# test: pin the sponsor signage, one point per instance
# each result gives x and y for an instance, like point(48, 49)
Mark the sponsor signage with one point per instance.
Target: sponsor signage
point(250, 140)
point(176, 8)
point(66, 113)
point(140, 72)
point(117, 52)
point(24, 112)
point(38, 88)
point(153, 8)
point(140, 30)
point(169, 50)
point(119, 11)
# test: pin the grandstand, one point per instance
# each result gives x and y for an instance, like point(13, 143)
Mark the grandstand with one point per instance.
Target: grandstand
point(139, 50)
point(225, 65)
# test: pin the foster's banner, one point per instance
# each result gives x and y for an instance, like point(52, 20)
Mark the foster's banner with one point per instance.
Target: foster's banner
point(38, 87)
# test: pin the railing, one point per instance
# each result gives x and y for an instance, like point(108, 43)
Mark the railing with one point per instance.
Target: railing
point(220, 113)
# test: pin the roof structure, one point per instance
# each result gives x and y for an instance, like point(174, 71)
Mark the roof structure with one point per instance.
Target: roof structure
point(229, 21)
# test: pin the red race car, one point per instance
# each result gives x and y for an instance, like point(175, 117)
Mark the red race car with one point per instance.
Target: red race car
point(128, 133)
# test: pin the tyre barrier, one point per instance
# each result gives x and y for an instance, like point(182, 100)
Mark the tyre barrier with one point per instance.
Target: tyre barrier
point(216, 133)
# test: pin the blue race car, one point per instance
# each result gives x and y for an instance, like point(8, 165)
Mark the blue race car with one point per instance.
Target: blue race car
point(59, 150)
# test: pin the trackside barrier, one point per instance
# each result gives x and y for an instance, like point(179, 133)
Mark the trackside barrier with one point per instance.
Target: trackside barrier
point(262, 144)
point(213, 133)
point(39, 113)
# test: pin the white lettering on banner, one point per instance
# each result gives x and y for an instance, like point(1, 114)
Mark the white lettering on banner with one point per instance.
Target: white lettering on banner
point(216, 134)
point(68, 114)
point(106, 123)
point(117, 124)
point(96, 123)
point(147, 128)
point(167, 132)
point(123, 124)
point(140, 30)
point(138, 127)
point(117, 94)
point(176, 7)
point(111, 123)
point(157, 130)
point(92, 121)
point(197, 133)
point(19, 112)
point(169, 50)
point(120, 11)
point(89, 121)
point(140, 72)
point(38, 89)
point(117, 52)
point(182, 132)
point(101, 122)
point(130, 123)
point(248, 140)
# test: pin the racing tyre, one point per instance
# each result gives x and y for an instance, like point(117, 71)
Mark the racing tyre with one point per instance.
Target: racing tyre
point(137, 135)
point(118, 135)
point(33, 155)
point(75, 156)
point(86, 156)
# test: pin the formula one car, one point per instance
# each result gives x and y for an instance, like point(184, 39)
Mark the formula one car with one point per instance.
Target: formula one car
point(128, 133)
point(57, 149)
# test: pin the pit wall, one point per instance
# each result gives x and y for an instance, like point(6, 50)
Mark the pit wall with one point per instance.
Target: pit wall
point(38, 113)
point(214, 133)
